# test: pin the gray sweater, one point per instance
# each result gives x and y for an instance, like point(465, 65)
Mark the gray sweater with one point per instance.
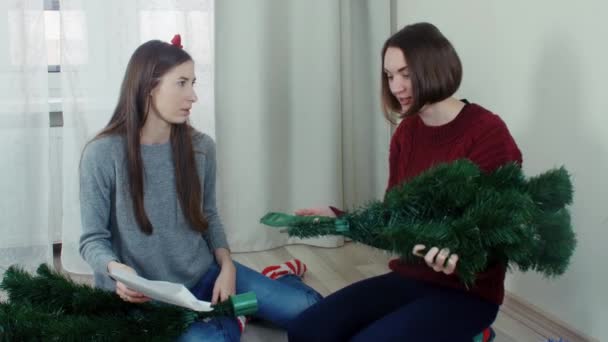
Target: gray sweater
point(173, 252)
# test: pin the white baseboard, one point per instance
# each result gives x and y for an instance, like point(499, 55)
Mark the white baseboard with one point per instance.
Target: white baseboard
point(540, 321)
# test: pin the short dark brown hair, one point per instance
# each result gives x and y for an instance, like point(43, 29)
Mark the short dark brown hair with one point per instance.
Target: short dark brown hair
point(434, 67)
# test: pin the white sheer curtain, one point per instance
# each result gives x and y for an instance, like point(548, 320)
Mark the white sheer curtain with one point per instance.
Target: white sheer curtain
point(298, 114)
point(298, 118)
point(98, 37)
point(24, 136)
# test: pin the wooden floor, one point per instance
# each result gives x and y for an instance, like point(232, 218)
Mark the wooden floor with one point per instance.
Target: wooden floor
point(330, 269)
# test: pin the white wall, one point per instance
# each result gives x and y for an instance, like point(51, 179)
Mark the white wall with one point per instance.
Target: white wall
point(542, 65)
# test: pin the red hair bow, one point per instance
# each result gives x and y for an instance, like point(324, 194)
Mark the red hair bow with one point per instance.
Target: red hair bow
point(177, 41)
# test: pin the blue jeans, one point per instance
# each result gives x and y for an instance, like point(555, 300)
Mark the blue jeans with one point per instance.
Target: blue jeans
point(394, 308)
point(279, 302)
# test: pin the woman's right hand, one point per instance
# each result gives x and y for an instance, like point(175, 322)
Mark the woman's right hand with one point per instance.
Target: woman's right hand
point(320, 211)
point(122, 290)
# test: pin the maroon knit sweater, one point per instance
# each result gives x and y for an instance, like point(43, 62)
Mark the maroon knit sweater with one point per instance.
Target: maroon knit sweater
point(475, 134)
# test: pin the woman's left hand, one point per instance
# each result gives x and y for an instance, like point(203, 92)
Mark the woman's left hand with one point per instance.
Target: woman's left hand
point(225, 284)
point(436, 258)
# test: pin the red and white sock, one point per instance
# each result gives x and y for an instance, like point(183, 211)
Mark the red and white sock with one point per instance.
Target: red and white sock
point(242, 321)
point(294, 266)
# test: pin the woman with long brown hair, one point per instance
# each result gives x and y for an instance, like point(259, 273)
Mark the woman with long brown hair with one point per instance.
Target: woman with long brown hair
point(147, 195)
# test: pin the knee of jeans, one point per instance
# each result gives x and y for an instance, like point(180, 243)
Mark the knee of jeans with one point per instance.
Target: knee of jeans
point(289, 311)
point(313, 297)
point(299, 305)
point(309, 299)
point(217, 329)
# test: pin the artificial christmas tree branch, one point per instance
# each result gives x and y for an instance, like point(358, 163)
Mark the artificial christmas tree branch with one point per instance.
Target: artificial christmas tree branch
point(500, 216)
point(51, 307)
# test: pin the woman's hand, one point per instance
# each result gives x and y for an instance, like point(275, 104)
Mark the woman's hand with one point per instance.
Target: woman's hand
point(436, 258)
point(225, 284)
point(320, 211)
point(122, 290)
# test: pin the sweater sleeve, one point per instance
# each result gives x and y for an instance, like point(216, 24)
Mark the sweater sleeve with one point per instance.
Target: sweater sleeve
point(215, 235)
point(96, 186)
point(494, 146)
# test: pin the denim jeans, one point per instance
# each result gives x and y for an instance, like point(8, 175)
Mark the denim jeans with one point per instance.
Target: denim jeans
point(279, 302)
point(394, 308)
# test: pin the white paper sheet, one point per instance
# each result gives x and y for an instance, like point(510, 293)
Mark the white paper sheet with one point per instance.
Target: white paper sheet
point(162, 291)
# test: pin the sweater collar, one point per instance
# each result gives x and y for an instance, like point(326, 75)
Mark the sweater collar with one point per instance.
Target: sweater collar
point(439, 135)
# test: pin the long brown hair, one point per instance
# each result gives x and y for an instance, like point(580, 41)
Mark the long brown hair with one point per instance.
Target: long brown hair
point(434, 66)
point(147, 65)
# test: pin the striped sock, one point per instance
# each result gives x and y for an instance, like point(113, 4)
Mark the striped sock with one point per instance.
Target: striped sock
point(242, 322)
point(294, 266)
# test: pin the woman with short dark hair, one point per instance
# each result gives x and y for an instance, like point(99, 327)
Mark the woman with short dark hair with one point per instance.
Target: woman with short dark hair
point(420, 302)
